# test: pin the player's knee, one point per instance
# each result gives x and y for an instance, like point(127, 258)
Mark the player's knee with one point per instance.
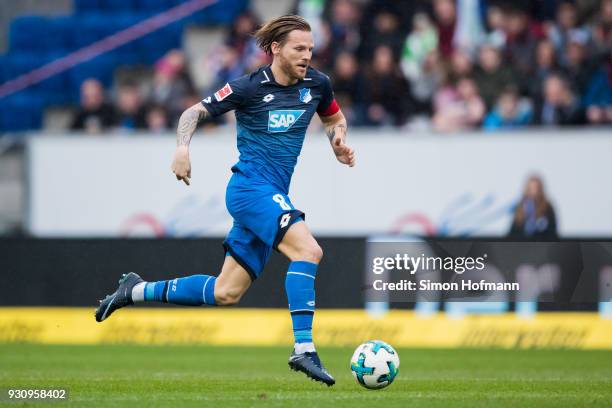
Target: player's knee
point(227, 296)
point(317, 253)
point(311, 253)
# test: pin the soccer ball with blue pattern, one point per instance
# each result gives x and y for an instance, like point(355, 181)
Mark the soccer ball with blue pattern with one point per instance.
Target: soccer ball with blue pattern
point(375, 364)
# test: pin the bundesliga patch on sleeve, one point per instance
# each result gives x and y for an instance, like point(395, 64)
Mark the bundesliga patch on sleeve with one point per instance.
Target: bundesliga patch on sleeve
point(223, 93)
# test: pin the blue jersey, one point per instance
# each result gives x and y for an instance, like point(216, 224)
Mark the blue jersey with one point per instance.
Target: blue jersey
point(271, 120)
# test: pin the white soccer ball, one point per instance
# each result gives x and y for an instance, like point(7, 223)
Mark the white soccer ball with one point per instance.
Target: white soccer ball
point(375, 364)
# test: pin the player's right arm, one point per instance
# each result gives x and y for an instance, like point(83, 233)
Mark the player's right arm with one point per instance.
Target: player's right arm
point(181, 165)
point(230, 97)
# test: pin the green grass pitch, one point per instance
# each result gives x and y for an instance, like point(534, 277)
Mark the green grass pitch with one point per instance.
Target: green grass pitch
point(183, 376)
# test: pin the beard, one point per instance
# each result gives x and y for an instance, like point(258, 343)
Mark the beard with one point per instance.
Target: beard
point(291, 70)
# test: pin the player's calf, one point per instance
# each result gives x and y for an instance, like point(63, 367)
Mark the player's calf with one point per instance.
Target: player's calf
point(232, 283)
point(299, 285)
point(227, 296)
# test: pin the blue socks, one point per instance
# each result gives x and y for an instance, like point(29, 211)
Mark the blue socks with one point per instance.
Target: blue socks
point(198, 290)
point(192, 290)
point(299, 286)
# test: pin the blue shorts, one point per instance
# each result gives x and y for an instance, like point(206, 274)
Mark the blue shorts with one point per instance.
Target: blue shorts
point(262, 215)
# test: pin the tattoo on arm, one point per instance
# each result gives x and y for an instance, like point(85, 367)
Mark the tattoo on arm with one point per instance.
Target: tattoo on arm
point(331, 131)
point(187, 125)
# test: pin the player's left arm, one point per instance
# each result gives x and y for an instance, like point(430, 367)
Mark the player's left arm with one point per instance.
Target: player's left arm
point(335, 129)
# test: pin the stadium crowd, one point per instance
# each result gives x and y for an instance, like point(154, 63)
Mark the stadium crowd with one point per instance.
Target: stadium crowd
point(442, 64)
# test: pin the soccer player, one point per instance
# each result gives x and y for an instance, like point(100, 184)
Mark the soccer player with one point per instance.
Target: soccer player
point(273, 108)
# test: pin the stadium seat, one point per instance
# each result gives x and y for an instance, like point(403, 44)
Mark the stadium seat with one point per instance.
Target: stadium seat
point(22, 111)
point(3, 75)
point(33, 33)
point(154, 5)
point(88, 29)
point(55, 90)
point(36, 40)
point(52, 90)
point(153, 46)
point(19, 63)
point(92, 27)
point(64, 33)
point(126, 56)
point(119, 6)
point(25, 33)
point(87, 6)
point(101, 68)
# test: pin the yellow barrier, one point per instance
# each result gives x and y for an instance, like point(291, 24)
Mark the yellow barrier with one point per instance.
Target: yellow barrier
point(331, 328)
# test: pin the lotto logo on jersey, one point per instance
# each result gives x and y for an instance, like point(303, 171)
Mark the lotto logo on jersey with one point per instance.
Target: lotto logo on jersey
point(283, 120)
point(223, 93)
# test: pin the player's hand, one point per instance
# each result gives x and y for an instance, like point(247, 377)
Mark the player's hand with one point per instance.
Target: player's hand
point(181, 166)
point(344, 153)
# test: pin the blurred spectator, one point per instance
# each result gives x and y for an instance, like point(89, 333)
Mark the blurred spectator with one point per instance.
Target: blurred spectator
point(386, 90)
point(545, 64)
point(230, 67)
point(496, 24)
point(587, 8)
point(393, 59)
point(384, 31)
point(130, 109)
point(605, 11)
point(240, 40)
point(544, 10)
point(94, 115)
point(492, 76)
point(312, 11)
point(446, 18)
point(403, 10)
point(425, 88)
point(469, 30)
point(461, 64)
point(521, 41)
point(598, 96)
point(458, 108)
point(509, 113)
point(578, 68)
point(421, 61)
point(566, 24)
point(324, 51)
point(240, 33)
point(419, 44)
point(157, 119)
point(344, 25)
point(534, 216)
point(348, 86)
point(559, 106)
point(602, 29)
point(171, 82)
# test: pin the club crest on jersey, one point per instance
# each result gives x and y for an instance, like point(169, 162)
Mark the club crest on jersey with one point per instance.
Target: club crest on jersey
point(223, 93)
point(283, 120)
point(305, 95)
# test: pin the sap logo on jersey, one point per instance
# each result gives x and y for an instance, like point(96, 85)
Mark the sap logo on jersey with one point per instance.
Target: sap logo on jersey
point(283, 120)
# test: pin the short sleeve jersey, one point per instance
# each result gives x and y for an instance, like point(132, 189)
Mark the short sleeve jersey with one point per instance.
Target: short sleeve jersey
point(272, 119)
